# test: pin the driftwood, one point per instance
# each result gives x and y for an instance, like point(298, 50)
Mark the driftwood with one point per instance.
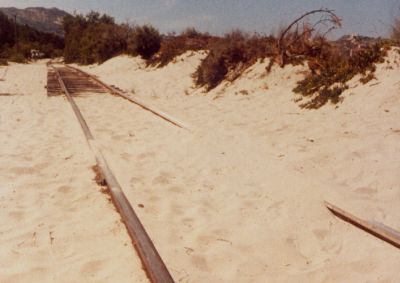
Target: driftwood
point(377, 229)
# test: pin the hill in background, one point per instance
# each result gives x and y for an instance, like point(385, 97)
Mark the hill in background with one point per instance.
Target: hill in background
point(41, 19)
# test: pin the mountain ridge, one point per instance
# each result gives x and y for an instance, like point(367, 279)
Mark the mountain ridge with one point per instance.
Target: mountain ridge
point(42, 19)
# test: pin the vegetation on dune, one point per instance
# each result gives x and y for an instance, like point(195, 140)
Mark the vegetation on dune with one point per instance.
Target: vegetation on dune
point(146, 41)
point(229, 56)
point(302, 37)
point(331, 64)
point(332, 72)
point(173, 46)
point(95, 38)
point(17, 41)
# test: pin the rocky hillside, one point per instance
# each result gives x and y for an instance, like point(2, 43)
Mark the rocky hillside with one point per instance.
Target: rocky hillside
point(41, 19)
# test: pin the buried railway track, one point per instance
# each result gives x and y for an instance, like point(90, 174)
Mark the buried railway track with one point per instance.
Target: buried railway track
point(77, 81)
point(71, 82)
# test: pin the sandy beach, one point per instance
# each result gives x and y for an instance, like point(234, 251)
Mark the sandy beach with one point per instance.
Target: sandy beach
point(238, 198)
point(56, 225)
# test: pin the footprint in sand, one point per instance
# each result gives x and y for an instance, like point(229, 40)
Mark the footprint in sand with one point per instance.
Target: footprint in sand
point(200, 262)
point(275, 209)
point(331, 245)
point(64, 189)
point(176, 189)
point(125, 156)
point(366, 191)
point(175, 211)
point(164, 178)
point(320, 234)
point(92, 268)
point(146, 155)
point(188, 221)
point(119, 137)
point(17, 215)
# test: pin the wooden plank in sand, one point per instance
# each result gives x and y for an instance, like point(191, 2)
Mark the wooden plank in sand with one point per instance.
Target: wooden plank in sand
point(377, 229)
point(142, 104)
point(151, 260)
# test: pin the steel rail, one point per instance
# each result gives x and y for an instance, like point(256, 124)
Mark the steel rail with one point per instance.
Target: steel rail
point(152, 262)
point(138, 102)
point(378, 230)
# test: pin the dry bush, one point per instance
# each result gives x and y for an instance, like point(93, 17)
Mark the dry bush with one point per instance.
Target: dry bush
point(305, 38)
point(173, 46)
point(230, 56)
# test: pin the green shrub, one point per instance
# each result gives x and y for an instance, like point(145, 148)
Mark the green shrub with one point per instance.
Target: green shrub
point(17, 58)
point(335, 69)
point(173, 46)
point(93, 38)
point(146, 41)
point(230, 56)
point(367, 78)
point(325, 95)
point(169, 50)
point(211, 71)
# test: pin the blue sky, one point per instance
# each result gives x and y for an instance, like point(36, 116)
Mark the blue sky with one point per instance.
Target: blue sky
point(366, 17)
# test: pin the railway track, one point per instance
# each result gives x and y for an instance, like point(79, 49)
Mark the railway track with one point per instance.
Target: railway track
point(75, 82)
point(68, 81)
point(79, 82)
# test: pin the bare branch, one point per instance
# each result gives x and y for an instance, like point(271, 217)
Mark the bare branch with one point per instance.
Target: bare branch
point(327, 18)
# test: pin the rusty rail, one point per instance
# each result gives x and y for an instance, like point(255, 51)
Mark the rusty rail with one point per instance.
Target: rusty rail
point(377, 229)
point(138, 102)
point(152, 262)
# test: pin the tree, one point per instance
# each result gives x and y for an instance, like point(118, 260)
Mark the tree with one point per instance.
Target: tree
point(6, 36)
point(93, 38)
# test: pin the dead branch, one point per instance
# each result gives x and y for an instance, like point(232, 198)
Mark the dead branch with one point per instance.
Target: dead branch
point(328, 18)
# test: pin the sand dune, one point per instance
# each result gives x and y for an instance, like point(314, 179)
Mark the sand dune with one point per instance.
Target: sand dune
point(237, 199)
